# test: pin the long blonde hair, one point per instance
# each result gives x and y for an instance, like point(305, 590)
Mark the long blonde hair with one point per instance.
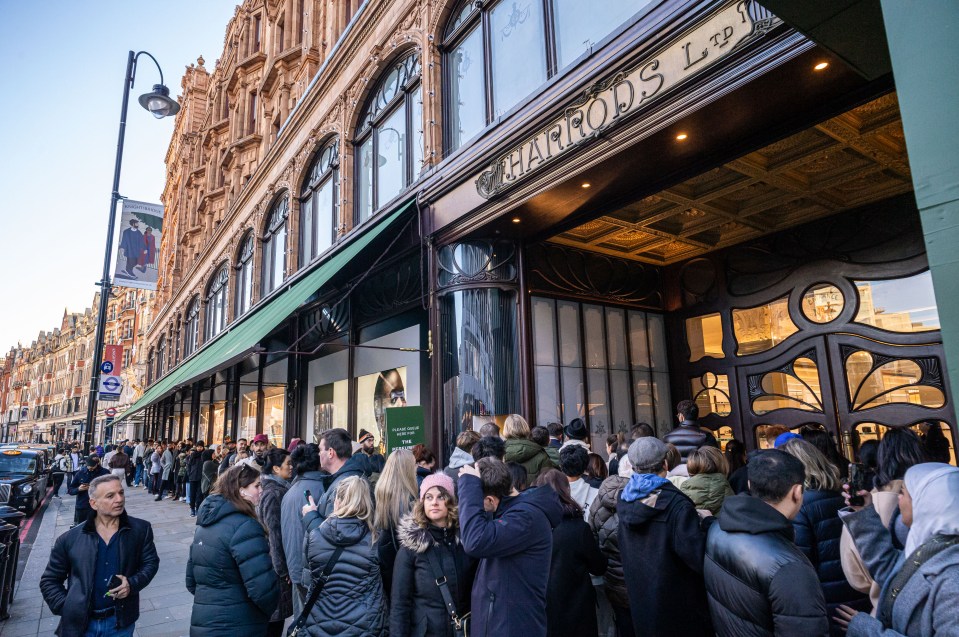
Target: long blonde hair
point(353, 500)
point(820, 473)
point(515, 426)
point(396, 489)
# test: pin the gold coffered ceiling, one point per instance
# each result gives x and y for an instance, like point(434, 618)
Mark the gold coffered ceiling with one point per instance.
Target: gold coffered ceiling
point(854, 159)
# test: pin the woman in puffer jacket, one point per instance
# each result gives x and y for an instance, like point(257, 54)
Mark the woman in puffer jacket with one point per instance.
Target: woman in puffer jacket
point(352, 602)
point(604, 521)
point(428, 537)
point(818, 527)
point(707, 485)
point(522, 450)
point(229, 570)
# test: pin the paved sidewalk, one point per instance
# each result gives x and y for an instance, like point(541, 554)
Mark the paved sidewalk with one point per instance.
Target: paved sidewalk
point(165, 604)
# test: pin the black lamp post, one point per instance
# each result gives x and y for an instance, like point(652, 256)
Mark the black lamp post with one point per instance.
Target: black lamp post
point(160, 104)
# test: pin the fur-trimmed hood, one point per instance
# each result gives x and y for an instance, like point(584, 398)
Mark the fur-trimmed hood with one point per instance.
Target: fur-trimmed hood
point(418, 539)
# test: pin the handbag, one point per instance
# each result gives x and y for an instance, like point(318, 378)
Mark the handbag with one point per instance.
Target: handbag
point(461, 624)
point(300, 622)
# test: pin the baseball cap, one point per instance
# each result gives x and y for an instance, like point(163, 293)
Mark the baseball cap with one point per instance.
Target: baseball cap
point(260, 438)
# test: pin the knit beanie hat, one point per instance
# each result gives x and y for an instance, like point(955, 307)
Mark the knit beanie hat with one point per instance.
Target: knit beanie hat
point(438, 479)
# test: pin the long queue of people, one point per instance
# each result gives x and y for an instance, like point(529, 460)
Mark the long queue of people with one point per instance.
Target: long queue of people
point(527, 535)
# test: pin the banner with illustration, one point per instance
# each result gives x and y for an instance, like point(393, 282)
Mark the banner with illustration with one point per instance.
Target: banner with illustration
point(141, 225)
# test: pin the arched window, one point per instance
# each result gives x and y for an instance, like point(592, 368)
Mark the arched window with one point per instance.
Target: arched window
point(319, 209)
point(244, 275)
point(391, 131)
point(191, 330)
point(216, 303)
point(161, 358)
point(512, 47)
point(274, 245)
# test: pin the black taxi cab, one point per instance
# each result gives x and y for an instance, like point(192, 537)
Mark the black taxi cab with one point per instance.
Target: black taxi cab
point(24, 476)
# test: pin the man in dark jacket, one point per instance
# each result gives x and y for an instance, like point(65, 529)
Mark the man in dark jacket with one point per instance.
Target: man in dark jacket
point(759, 582)
point(80, 486)
point(688, 436)
point(514, 547)
point(368, 442)
point(336, 459)
point(87, 558)
point(194, 474)
point(306, 468)
point(662, 542)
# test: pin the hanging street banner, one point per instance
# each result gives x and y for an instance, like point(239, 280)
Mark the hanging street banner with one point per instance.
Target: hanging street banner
point(141, 224)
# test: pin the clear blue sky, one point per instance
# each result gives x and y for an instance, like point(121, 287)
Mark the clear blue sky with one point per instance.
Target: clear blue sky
point(61, 71)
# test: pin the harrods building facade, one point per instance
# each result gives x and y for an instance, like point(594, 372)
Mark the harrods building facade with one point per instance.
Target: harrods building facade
point(524, 206)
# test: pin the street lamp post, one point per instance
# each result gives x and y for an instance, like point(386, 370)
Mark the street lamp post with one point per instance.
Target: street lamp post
point(160, 104)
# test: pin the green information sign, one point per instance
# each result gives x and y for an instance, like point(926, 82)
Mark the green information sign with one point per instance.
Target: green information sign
point(405, 428)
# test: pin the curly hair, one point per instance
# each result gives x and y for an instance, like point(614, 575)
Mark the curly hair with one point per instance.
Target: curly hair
point(452, 511)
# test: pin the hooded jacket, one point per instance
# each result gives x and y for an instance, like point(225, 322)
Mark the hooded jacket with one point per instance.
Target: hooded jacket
point(352, 603)
point(662, 540)
point(604, 522)
point(458, 460)
point(688, 437)
point(514, 546)
point(229, 572)
point(73, 560)
point(707, 491)
point(529, 454)
point(759, 582)
point(291, 521)
point(417, 606)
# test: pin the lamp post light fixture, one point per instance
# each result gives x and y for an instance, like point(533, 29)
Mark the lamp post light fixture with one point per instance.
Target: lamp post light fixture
point(160, 105)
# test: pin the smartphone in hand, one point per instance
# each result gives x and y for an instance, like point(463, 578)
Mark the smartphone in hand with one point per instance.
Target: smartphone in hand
point(307, 494)
point(857, 483)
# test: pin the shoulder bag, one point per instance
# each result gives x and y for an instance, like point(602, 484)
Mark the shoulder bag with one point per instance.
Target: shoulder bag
point(461, 624)
point(300, 623)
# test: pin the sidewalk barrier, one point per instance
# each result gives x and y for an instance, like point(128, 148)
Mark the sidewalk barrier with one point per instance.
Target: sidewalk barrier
point(10, 520)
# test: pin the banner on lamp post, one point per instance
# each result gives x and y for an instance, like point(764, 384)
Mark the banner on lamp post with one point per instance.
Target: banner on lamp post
point(110, 367)
point(141, 225)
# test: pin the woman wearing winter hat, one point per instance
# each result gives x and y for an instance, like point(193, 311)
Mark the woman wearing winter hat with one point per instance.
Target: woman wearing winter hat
point(431, 552)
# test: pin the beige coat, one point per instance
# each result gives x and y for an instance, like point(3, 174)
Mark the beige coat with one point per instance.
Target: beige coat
point(885, 503)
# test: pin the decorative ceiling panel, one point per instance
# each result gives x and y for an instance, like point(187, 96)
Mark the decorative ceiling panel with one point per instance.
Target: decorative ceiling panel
point(856, 158)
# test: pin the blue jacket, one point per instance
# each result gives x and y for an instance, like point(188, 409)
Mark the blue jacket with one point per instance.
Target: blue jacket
point(291, 521)
point(84, 476)
point(354, 466)
point(514, 547)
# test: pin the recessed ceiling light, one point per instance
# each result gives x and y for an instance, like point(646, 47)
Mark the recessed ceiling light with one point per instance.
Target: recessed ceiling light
point(821, 66)
point(586, 184)
point(516, 219)
point(681, 136)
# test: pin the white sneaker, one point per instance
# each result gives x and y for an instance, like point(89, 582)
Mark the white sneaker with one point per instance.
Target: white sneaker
point(182, 499)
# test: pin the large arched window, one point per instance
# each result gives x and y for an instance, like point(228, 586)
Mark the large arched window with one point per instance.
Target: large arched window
point(160, 358)
point(318, 203)
point(191, 332)
point(216, 303)
point(512, 47)
point(391, 131)
point(274, 245)
point(244, 275)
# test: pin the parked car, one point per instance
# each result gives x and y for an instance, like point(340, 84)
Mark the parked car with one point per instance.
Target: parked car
point(24, 476)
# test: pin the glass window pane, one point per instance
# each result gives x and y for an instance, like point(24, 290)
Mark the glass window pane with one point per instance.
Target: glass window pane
point(638, 347)
point(279, 257)
point(391, 160)
point(616, 338)
point(544, 332)
point(598, 408)
point(416, 117)
point(364, 203)
point(595, 342)
point(898, 305)
point(307, 211)
point(711, 393)
point(822, 303)
point(569, 345)
point(274, 404)
point(323, 231)
point(758, 329)
point(578, 29)
point(642, 397)
point(573, 393)
point(622, 410)
point(704, 336)
point(467, 92)
point(518, 53)
point(662, 402)
point(547, 395)
point(944, 450)
point(657, 341)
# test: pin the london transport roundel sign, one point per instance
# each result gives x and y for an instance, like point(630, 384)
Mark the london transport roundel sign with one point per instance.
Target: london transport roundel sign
point(111, 383)
point(111, 412)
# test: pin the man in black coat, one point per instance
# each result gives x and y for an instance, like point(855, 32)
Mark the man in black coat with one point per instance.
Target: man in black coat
point(368, 442)
point(80, 486)
point(194, 474)
point(110, 547)
point(662, 542)
point(759, 582)
point(688, 436)
point(512, 536)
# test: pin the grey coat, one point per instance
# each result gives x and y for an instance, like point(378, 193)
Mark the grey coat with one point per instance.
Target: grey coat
point(927, 603)
point(291, 517)
point(166, 461)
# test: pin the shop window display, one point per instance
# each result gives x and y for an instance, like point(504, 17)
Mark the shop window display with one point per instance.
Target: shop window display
point(759, 329)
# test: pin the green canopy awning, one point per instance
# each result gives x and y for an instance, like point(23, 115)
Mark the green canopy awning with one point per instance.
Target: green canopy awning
point(259, 322)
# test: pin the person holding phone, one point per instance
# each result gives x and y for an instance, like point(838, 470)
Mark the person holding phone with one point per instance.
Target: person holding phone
point(97, 570)
point(80, 486)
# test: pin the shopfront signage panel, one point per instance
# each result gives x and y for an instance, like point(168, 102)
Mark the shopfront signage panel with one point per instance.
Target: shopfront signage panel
point(405, 427)
point(608, 102)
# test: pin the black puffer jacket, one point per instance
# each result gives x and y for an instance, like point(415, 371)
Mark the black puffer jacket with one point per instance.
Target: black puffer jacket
point(268, 509)
point(759, 584)
point(417, 606)
point(229, 572)
point(352, 603)
point(570, 596)
point(818, 530)
point(688, 437)
point(604, 522)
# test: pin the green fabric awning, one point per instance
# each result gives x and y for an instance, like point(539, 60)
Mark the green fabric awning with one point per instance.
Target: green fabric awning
point(259, 322)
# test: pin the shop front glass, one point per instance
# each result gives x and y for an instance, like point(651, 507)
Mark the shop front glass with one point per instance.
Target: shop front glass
point(328, 394)
point(218, 414)
point(249, 400)
point(274, 402)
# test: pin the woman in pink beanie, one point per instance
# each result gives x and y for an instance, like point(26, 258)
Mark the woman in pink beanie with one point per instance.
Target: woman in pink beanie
point(430, 552)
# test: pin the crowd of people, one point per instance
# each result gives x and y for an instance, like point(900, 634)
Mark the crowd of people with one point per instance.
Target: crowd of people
point(528, 532)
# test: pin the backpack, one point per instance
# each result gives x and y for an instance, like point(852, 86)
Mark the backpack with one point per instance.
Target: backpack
point(65, 464)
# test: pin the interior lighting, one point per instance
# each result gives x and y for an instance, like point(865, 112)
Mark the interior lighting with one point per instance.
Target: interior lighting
point(821, 66)
point(681, 137)
point(586, 184)
point(516, 219)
